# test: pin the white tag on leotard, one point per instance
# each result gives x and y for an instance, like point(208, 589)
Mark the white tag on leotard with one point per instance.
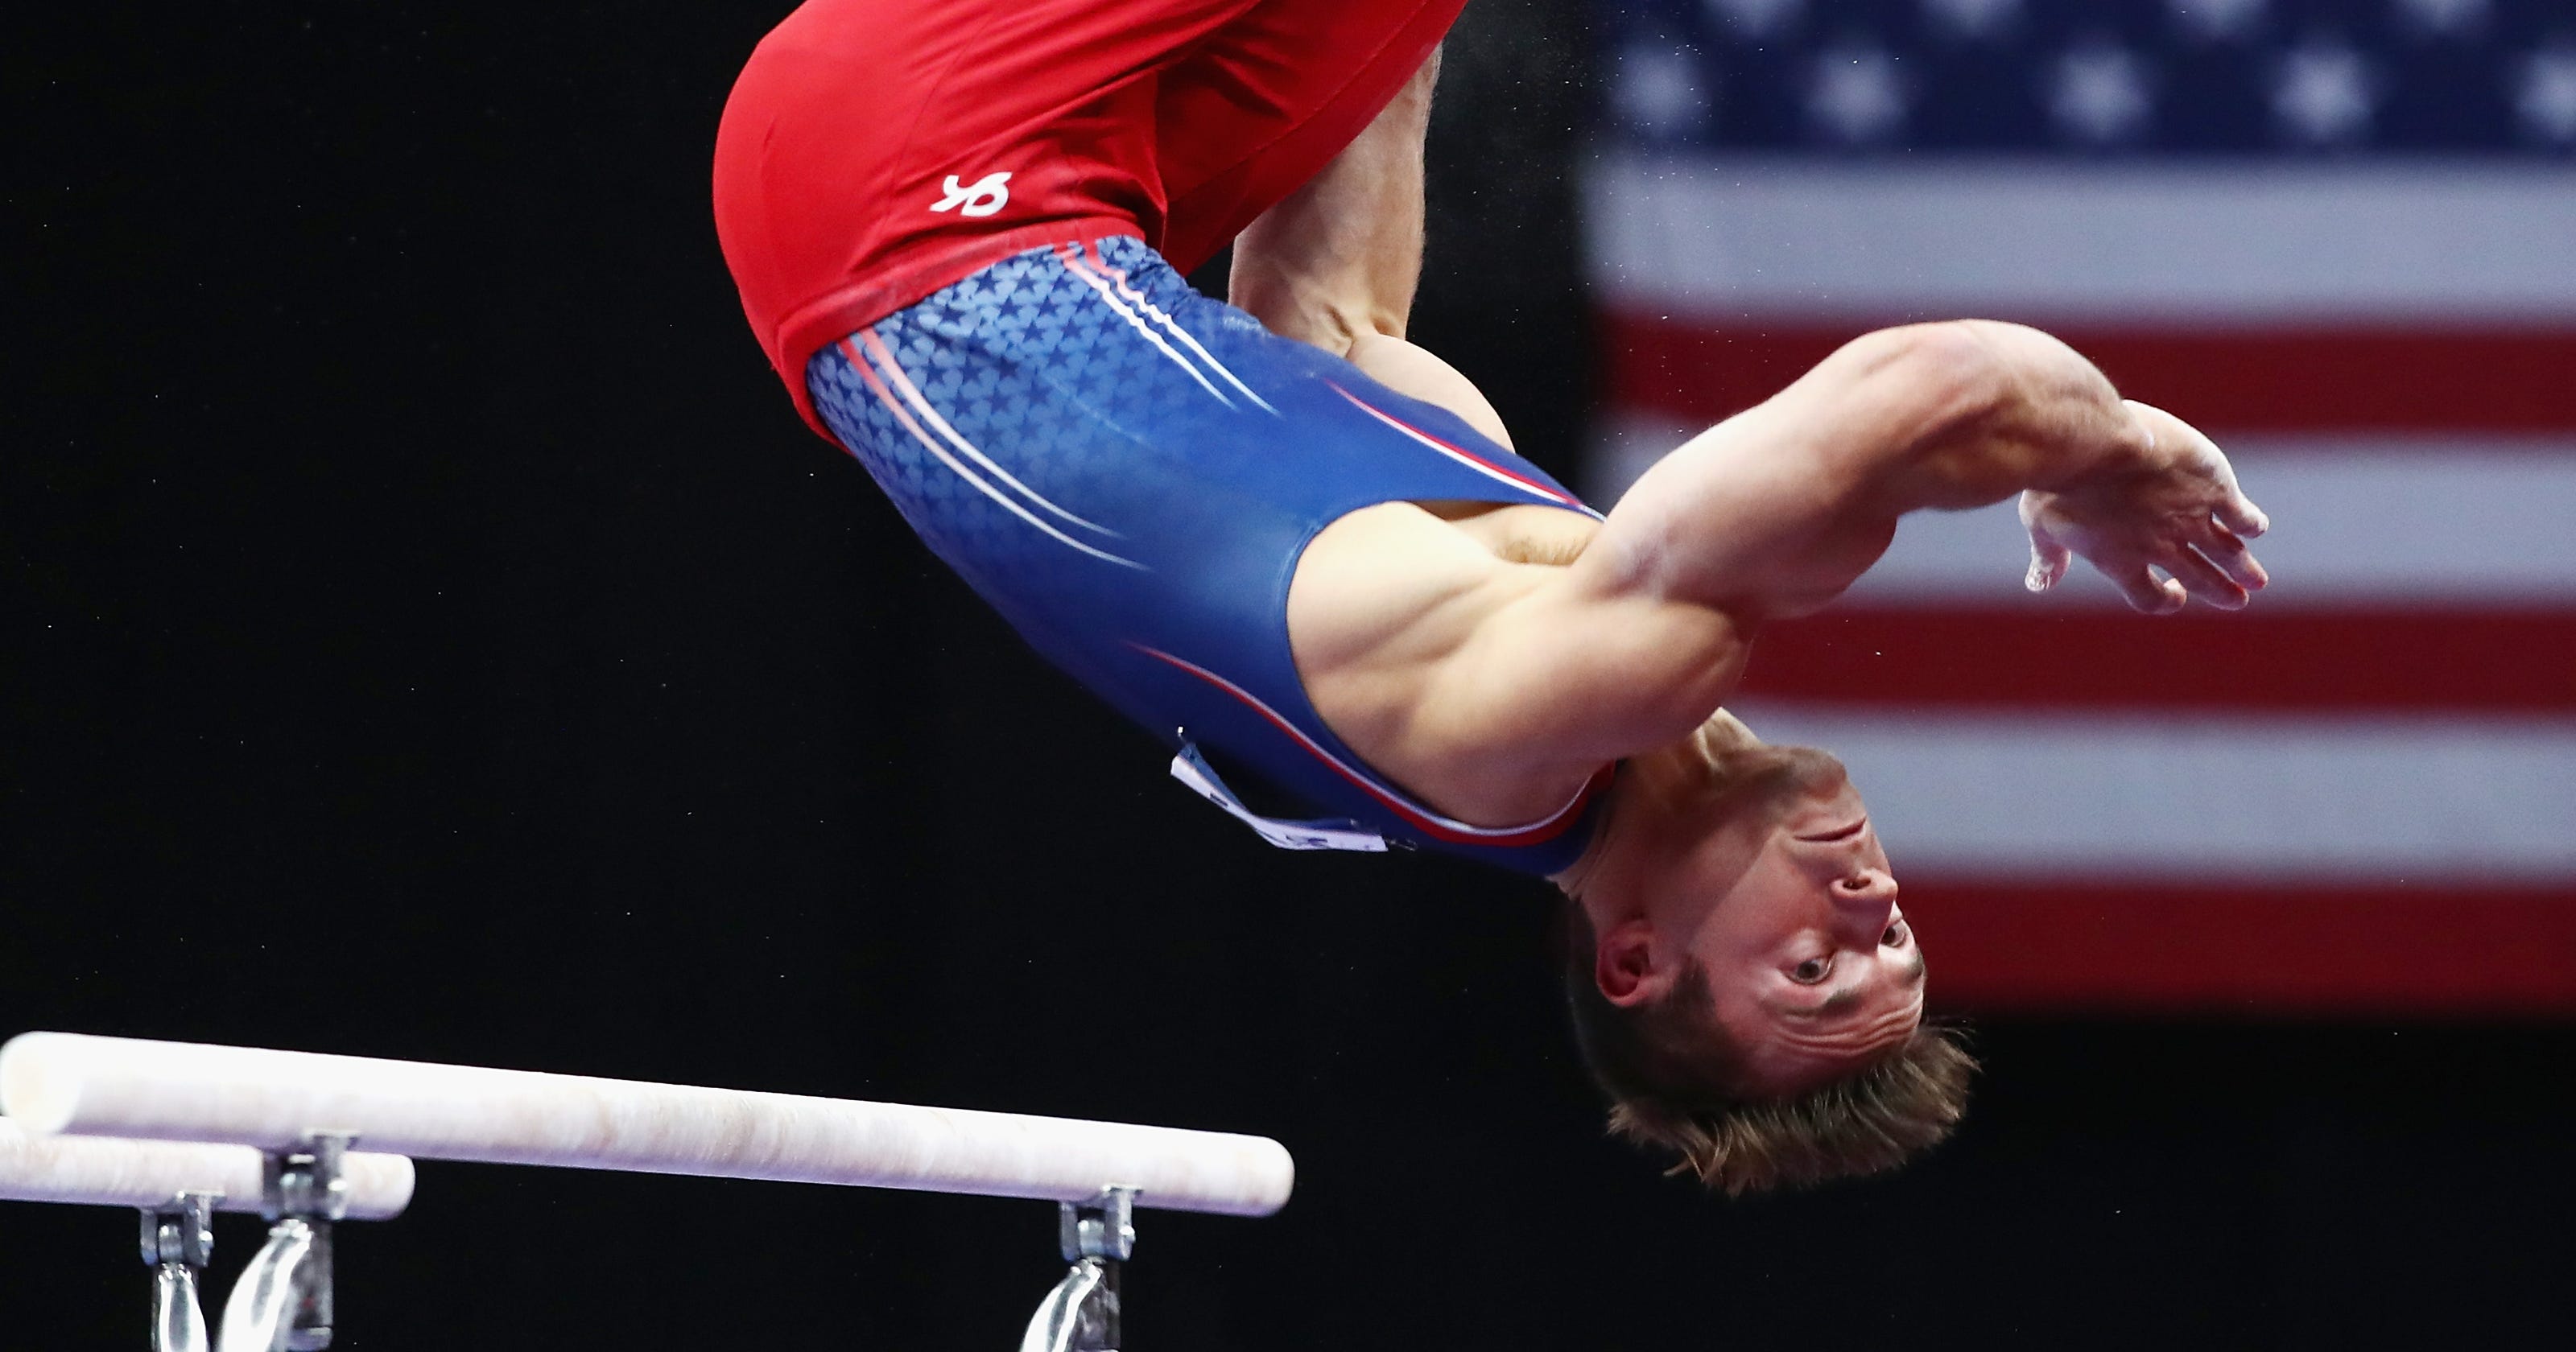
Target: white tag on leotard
point(1192, 769)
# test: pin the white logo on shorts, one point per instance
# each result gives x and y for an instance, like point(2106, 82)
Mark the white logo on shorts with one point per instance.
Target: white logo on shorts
point(985, 196)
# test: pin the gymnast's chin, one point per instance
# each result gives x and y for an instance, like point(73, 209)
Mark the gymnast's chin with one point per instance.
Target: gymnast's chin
point(1743, 984)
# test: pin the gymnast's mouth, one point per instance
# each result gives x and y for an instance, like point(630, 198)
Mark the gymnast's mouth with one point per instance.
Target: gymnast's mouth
point(1838, 833)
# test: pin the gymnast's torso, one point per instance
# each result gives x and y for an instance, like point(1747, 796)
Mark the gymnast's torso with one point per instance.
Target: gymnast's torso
point(955, 225)
point(1155, 491)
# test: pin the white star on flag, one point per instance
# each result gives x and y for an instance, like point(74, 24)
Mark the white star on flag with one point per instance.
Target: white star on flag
point(2322, 94)
point(1658, 89)
point(2099, 94)
point(2545, 95)
point(1857, 94)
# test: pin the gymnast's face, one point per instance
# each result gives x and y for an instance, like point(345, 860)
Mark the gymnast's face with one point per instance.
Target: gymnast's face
point(1810, 962)
point(1782, 895)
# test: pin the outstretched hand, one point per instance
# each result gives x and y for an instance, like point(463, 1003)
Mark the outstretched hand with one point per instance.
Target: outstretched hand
point(2179, 512)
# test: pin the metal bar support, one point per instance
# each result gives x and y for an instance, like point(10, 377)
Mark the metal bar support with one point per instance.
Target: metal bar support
point(283, 1301)
point(1096, 1237)
point(178, 1242)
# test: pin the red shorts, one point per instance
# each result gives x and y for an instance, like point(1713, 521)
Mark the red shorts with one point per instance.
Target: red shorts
point(874, 151)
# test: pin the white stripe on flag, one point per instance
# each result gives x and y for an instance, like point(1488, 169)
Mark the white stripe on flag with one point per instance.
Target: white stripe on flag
point(2034, 240)
point(2387, 521)
point(2113, 800)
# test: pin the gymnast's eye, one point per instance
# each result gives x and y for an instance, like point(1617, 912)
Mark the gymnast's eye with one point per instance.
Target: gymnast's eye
point(1811, 971)
point(1895, 936)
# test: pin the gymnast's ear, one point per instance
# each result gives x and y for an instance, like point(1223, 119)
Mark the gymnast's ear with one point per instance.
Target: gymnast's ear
point(1623, 965)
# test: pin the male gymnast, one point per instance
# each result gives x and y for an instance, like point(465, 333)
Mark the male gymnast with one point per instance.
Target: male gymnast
point(1301, 549)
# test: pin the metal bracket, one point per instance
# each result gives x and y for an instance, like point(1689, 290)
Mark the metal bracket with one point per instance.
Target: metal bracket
point(283, 1301)
point(1081, 1314)
point(307, 1182)
point(178, 1242)
point(1103, 1227)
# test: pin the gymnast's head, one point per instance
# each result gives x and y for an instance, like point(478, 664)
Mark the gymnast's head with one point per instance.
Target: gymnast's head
point(1742, 982)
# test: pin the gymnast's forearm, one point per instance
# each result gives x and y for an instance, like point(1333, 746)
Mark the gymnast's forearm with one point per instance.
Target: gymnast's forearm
point(2018, 410)
point(1339, 258)
point(1782, 506)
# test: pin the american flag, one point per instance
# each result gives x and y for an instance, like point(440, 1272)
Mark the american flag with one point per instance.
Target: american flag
point(2338, 236)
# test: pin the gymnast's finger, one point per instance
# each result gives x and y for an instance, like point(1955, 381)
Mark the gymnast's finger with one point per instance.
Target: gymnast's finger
point(2221, 547)
point(2204, 581)
point(2238, 513)
point(2144, 591)
point(2235, 511)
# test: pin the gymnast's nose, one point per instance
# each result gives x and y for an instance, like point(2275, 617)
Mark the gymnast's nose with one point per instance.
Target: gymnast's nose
point(1866, 888)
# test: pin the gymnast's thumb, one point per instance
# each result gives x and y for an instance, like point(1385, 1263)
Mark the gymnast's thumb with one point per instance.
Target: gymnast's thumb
point(2048, 560)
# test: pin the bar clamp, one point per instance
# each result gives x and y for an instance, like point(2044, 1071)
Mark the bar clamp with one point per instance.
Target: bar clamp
point(178, 1242)
point(1097, 1237)
point(283, 1301)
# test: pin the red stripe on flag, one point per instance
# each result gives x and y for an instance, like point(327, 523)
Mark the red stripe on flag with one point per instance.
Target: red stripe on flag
point(2449, 948)
point(2327, 379)
point(2302, 661)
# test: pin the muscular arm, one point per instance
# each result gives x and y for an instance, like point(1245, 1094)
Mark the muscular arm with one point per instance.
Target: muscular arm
point(1336, 261)
point(1774, 512)
point(1777, 510)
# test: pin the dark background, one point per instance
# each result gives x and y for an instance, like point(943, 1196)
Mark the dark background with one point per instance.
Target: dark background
point(430, 634)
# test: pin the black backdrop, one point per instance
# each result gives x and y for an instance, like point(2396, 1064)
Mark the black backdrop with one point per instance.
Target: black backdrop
point(431, 635)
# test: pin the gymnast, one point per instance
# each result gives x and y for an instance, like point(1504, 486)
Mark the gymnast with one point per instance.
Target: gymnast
point(1302, 550)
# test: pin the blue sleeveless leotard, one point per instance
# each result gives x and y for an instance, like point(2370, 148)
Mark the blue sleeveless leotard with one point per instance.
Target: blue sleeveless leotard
point(1128, 472)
